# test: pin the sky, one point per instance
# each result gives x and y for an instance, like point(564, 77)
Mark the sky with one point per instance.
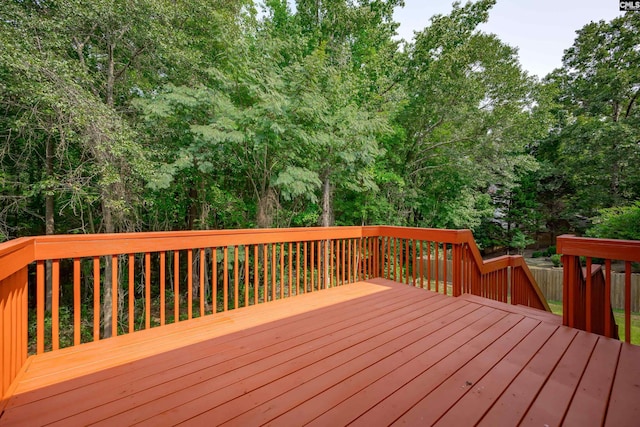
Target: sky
point(540, 29)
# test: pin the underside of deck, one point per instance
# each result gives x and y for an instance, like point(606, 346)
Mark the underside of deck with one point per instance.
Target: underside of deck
point(369, 353)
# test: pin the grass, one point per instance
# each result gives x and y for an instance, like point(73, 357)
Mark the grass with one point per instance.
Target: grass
point(556, 308)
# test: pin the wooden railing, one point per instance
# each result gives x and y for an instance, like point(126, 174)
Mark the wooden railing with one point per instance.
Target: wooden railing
point(62, 291)
point(505, 279)
point(587, 297)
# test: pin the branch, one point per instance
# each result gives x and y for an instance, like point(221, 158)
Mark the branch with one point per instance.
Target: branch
point(439, 144)
point(416, 171)
point(631, 104)
point(133, 57)
point(391, 86)
point(81, 44)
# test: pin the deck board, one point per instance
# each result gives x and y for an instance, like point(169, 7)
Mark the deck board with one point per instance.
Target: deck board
point(623, 404)
point(399, 375)
point(334, 397)
point(370, 353)
point(368, 366)
point(465, 378)
point(553, 400)
point(274, 375)
point(514, 402)
point(591, 396)
point(402, 400)
point(484, 392)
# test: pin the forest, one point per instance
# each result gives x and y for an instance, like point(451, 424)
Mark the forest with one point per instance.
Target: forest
point(147, 115)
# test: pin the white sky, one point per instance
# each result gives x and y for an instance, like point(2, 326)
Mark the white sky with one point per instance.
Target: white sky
point(541, 29)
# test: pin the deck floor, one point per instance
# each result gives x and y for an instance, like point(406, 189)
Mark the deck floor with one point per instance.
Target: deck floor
point(370, 353)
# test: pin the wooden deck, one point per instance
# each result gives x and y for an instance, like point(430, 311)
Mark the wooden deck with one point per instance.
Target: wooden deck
point(369, 353)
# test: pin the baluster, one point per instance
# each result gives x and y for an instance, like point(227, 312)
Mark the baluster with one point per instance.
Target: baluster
point(201, 265)
point(225, 278)
point(236, 293)
point(189, 284)
point(55, 304)
point(40, 279)
point(131, 292)
point(163, 317)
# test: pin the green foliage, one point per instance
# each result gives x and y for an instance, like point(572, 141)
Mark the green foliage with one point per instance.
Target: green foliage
point(520, 241)
point(165, 115)
point(160, 115)
point(622, 222)
point(469, 117)
point(592, 149)
point(556, 260)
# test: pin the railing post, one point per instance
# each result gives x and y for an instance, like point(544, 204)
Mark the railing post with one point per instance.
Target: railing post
point(456, 274)
point(13, 328)
point(513, 287)
point(570, 289)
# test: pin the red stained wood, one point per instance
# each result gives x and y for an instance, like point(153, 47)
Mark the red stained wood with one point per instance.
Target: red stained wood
point(477, 397)
point(76, 301)
point(509, 408)
point(130, 269)
point(333, 396)
point(624, 409)
point(589, 404)
point(147, 292)
point(372, 353)
point(466, 377)
point(40, 307)
point(55, 304)
point(409, 394)
point(554, 398)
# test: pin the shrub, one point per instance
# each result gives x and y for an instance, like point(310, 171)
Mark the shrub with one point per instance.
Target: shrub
point(621, 222)
point(555, 259)
point(537, 254)
point(520, 241)
point(551, 250)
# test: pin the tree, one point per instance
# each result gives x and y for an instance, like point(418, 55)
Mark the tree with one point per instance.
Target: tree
point(598, 88)
point(467, 119)
point(355, 71)
point(622, 222)
point(72, 70)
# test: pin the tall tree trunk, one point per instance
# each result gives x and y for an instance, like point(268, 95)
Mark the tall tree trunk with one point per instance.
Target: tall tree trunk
point(264, 219)
point(327, 219)
point(107, 299)
point(266, 204)
point(49, 219)
point(192, 214)
point(111, 75)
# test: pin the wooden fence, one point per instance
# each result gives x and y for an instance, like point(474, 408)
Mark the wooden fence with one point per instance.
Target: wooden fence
point(550, 282)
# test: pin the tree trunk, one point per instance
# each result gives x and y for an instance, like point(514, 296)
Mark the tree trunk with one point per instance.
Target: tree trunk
point(192, 214)
point(111, 75)
point(49, 219)
point(614, 183)
point(327, 220)
point(266, 203)
point(107, 300)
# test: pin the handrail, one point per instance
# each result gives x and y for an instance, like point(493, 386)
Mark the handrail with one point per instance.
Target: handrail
point(621, 250)
point(204, 272)
point(479, 276)
point(57, 246)
point(583, 296)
